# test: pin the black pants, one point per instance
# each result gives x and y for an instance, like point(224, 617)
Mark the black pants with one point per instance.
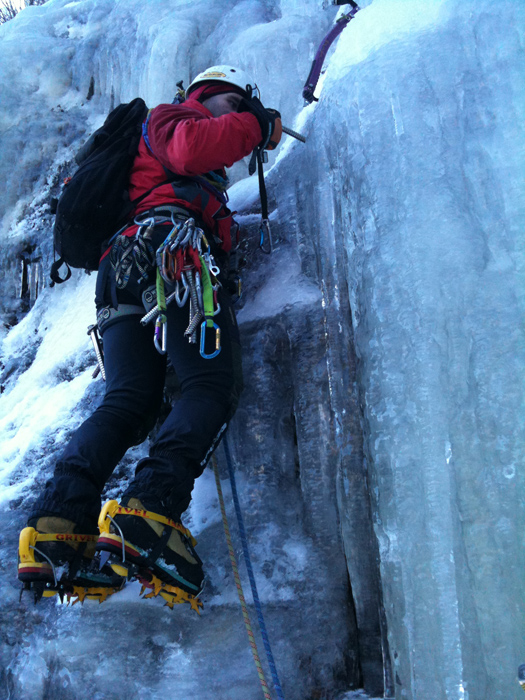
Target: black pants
point(135, 374)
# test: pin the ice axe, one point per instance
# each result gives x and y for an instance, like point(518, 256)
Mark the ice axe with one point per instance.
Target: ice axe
point(317, 65)
point(293, 133)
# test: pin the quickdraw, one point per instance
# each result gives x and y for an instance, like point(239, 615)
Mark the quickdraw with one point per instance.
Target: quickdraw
point(159, 337)
point(184, 261)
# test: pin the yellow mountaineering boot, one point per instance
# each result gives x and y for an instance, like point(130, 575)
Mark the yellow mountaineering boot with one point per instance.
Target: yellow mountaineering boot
point(156, 550)
point(53, 558)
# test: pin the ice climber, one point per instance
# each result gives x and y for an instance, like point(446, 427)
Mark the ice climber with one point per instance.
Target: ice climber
point(220, 122)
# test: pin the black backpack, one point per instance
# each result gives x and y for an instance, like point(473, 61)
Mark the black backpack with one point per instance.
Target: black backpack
point(95, 203)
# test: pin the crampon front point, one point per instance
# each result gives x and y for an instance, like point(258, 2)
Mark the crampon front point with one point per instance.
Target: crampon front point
point(145, 560)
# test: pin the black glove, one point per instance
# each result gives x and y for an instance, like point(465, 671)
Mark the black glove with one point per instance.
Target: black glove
point(269, 121)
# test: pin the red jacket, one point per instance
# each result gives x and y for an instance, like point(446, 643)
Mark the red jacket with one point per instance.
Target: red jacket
point(187, 140)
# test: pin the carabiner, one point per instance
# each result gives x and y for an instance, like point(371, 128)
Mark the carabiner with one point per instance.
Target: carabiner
point(159, 338)
point(266, 232)
point(181, 301)
point(217, 341)
point(185, 233)
point(211, 264)
point(198, 289)
point(144, 223)
point(169, 266)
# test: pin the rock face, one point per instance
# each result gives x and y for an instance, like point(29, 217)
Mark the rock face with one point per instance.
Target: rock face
point(379, 438)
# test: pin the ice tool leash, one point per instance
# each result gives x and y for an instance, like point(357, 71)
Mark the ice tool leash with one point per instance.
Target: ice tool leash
point(184, 261)
point(317, 65)
point(253, 585)
point(265, 241)
point(258, 158)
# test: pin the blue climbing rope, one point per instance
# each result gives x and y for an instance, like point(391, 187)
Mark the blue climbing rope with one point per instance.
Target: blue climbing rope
point(255, 594)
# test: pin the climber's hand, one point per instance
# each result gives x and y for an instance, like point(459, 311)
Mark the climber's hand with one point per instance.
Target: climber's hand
point(269, 121)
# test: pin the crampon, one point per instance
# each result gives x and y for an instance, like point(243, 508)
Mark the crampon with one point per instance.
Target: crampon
point(154, 550)
point(58, 564)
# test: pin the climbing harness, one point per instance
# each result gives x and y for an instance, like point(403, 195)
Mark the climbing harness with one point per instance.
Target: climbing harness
point(317, 65)
point(253, 585)
point(185, 261)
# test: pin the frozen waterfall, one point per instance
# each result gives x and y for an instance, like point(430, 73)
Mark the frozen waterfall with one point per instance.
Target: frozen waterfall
point(379, 442)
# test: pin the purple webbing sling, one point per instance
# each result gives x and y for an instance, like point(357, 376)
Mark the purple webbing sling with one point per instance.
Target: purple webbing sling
point(317, 65)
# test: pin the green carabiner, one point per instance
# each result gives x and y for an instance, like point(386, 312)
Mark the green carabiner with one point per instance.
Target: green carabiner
point(207, 294)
